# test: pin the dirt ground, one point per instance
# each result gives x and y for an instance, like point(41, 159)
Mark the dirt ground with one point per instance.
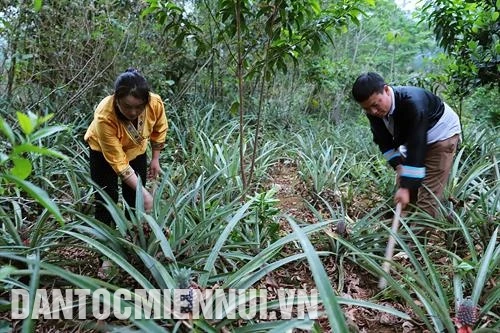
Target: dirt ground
point(357, 284)
point(349, 281)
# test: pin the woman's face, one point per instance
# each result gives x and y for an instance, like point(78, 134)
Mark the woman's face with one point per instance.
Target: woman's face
point(130, 107)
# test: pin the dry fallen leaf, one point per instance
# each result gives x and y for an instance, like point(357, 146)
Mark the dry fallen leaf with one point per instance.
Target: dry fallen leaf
point(408, 327)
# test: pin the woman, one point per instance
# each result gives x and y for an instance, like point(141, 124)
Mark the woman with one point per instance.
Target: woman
point(123, 125)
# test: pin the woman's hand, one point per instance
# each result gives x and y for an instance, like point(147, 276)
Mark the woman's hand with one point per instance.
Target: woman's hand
point(148, 201)
point(154, 169)
point(132, 182)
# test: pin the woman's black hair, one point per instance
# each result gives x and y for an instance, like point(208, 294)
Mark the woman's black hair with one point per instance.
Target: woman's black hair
point(366, 85)
point(131, 82)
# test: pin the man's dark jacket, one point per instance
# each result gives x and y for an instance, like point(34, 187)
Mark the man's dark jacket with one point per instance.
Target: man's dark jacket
point(416, 111)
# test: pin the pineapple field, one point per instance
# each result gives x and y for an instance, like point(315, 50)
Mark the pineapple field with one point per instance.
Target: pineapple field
point(283, 234)
point(270, 179)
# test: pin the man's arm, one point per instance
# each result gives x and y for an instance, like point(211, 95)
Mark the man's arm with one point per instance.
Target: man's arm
point(412, 171)
point(384, 141)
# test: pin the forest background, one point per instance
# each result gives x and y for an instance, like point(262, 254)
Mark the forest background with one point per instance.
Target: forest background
point(270, 176)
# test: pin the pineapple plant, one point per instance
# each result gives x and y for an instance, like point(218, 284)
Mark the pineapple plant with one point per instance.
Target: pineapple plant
point(467, 315)
point(183, 278)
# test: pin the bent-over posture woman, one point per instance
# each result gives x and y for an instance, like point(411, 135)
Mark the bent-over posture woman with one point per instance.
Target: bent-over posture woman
point(118, 136)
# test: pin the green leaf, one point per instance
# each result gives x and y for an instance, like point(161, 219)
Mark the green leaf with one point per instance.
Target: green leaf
point(46, 131)
point(25, 122)
point(484, 269)
point(6, 271)
point(39, 120)
point(328, 297)
point(7, 130)
point(115, 257)
point(367, 261)
point(29, 148)
point(234, 108)
point(160, 236)
point(250, 279)
point(210, 263)
point(85, 282)
point(22, 167)
point(34, 269)
point(315, 6)
point(244, 278)
point(370, 305)
point(37, 5)
point(38, 194)
point(276, 326)
point(3, 158)
point(5, 326)
point(11, 222)
point(465, 266)
point(290, 325)
point(391, 36)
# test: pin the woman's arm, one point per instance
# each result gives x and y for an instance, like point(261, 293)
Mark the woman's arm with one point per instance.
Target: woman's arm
point(132, 181)
point(154, 168)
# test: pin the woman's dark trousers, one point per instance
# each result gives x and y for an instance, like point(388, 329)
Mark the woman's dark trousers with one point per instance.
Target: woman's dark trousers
point(106, 178)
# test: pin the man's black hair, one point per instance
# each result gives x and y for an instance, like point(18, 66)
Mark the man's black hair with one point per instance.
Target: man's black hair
point(366, 85)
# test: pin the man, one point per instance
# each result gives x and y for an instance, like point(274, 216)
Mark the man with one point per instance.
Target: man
point(416, 132)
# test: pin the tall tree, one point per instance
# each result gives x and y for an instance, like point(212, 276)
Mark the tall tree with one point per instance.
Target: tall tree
point(264, 37)
point(255, 40)
point(394, 45)
point(469, 31)
point(63, 50)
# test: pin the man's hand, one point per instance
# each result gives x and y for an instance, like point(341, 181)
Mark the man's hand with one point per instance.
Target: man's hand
point(402, 196)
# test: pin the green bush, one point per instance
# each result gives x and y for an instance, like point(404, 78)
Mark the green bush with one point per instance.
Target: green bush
point(483, 105)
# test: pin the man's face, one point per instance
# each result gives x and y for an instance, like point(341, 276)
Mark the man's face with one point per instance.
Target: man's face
point(378, 105)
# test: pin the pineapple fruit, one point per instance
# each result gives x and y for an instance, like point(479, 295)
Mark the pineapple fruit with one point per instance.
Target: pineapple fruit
point(467, 315)
point(183, 278)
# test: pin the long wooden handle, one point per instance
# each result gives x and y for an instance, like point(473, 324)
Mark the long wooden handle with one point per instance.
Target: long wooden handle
point(389, 251)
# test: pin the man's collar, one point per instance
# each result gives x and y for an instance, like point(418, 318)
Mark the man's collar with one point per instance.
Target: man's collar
point(393, 104)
